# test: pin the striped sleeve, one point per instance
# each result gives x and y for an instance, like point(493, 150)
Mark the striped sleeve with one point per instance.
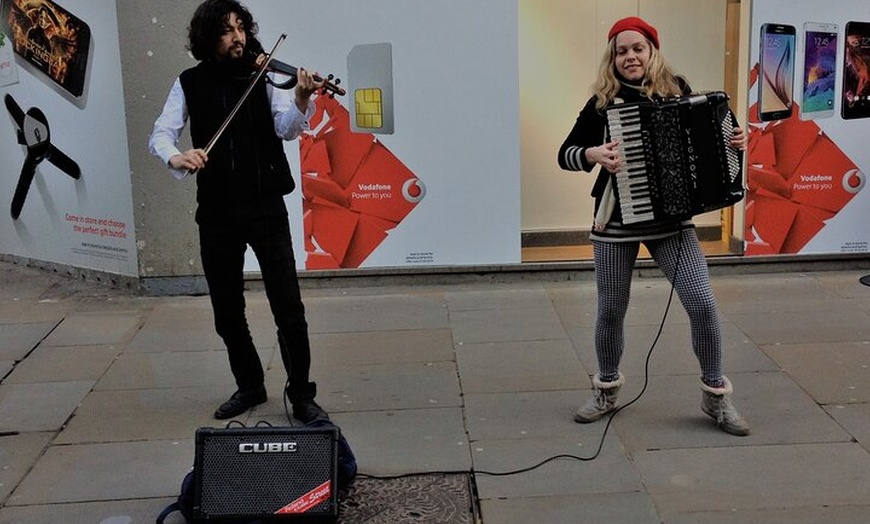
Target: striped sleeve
point(573, 158)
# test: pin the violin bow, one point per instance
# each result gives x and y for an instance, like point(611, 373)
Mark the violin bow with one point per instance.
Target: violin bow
point(260, 71)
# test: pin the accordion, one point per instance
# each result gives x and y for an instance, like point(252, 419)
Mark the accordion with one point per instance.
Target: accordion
point(676, 158)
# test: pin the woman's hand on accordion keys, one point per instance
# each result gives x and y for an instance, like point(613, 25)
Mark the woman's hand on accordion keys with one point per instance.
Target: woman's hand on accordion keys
point(739, 139)
point(605, 155)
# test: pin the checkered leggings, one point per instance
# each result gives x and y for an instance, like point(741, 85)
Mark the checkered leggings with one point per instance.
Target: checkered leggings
point(681, 254)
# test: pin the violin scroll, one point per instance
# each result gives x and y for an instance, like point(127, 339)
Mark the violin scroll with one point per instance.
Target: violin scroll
point(330, 83)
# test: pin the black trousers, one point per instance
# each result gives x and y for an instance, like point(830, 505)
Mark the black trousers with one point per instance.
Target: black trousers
point(224, 233)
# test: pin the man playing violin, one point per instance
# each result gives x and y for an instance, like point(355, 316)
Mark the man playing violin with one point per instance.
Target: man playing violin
point(241, 183)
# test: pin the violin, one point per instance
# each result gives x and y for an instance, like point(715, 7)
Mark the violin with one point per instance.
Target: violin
point(255, 57)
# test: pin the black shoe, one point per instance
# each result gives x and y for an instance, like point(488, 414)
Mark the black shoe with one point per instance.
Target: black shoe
point(240, 402)
point(307, 410)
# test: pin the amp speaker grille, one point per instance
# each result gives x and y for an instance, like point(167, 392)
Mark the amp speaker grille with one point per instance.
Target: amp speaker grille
point(275, 474)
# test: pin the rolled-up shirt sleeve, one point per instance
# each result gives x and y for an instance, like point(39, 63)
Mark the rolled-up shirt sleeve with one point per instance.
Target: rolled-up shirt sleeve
point(163, 142)
point(289, 121)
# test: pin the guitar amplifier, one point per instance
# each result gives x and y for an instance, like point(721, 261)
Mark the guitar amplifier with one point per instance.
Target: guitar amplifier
point(273, 474)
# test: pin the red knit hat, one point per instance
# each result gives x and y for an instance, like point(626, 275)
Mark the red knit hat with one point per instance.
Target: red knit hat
point(633, 23)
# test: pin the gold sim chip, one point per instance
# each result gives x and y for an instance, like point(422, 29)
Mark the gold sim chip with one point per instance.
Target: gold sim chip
point(369, 108)
point(370, 79)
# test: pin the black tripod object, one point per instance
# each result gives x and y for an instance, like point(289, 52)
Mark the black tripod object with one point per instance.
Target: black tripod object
point(34, 133)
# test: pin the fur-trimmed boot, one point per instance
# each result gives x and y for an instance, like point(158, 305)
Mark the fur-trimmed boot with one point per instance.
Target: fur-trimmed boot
point(603, 401)
point(716, 402)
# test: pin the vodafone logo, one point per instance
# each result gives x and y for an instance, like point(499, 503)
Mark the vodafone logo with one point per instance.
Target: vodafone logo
point(413, 190)
point(854, 181)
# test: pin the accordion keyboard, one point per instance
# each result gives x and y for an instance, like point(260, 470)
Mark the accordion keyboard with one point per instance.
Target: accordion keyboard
point(632, 180)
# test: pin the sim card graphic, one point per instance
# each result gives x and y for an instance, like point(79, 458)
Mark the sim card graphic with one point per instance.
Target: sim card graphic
point(370, 80)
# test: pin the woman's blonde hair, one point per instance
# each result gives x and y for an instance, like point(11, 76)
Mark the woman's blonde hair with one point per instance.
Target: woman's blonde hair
point(659, 79)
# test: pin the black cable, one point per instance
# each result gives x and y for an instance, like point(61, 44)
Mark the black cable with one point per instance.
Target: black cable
point(609, 419)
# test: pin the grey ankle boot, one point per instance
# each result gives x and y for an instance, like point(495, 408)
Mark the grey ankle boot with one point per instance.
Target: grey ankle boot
point(603, 401)
point(716, 402)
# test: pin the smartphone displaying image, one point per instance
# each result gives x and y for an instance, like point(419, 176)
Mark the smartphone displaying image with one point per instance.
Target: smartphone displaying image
point(50, 39)
point(820, 70)
point(776, 82)
point(856, 75)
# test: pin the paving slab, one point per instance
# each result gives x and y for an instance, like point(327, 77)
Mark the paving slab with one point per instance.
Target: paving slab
point(93, 329)
point(25, 312)
point(17, 340)
point(622, 508)
point(39, 407)
point(18, 453)
point(536, 365)
point(406, 441)
point(525, 415)
point(402, 346)
point(668, 415)
point(833, 324)
point(611, 472)
point(755, 477)
point(773, 293)
point(176, 369)
point(832, 373)
point(855, 419)
point(137, 511)
point(377, 387)
point(506, 325)
point(351, 314)
point(187, 324)
point(513, 297)
point(850, 514)
point(105, 472)
point(143, 414)
point(64, 364)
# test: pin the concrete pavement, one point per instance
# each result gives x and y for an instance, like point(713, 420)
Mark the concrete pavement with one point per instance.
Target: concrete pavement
point(102, 391)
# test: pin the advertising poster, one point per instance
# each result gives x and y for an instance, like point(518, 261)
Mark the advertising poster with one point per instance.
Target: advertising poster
point(808, 118)
point(8, 69)
point(65, 188)
point(418, 162)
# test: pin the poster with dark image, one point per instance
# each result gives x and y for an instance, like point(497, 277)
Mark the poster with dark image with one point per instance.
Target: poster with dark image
point(856, 74)
point(50, 38)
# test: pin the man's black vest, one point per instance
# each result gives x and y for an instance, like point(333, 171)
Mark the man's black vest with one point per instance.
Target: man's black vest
point(248, 159)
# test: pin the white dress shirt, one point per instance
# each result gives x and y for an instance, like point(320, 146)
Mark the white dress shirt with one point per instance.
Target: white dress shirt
point(163, 142)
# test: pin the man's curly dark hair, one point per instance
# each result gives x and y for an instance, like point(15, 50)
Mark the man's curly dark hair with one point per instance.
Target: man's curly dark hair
point(208, 23)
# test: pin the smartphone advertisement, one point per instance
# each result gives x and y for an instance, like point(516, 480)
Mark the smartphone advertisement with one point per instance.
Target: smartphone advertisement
point(776, 88)
point(807, 156)
point(49, 39)
point(856, 65)
point(820, 70)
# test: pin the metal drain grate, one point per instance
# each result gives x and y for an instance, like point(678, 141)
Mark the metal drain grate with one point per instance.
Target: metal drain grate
point(430, 499)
